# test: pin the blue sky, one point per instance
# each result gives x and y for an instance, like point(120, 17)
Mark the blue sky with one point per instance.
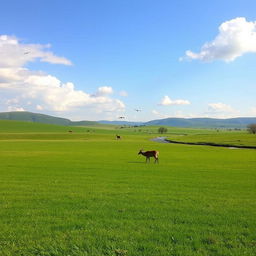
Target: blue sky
point(102, 59)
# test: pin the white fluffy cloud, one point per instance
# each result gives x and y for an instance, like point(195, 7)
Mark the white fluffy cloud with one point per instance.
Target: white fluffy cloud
point(220, 107)
point(16, 54)
point(11, 108)
point(166, 101)
point(23, 89)
point(123, 93)
point(253, 111)
point(221, 110)
point(236, 37)
point(158, 114)
point(104, 90)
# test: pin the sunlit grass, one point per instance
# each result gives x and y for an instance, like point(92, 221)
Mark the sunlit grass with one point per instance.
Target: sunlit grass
point(231, 138)
point(93, 195)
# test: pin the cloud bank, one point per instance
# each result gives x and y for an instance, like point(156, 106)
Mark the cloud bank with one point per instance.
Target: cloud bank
point(158, 114)
point(15, 54)
point(220, 107)
point(123, 93)
point(23, 89)
point(221, 110)
point(236, 37)
point(166, 101)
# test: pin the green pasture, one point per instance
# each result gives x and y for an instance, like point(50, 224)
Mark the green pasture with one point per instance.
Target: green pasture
point(234, 138)
point(87, 194)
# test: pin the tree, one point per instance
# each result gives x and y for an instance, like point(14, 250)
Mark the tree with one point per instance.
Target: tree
point(251, 128)
point(162, 130)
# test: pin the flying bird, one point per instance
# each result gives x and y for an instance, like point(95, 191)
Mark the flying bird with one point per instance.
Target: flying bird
point(121, 117)
point(137, 110)
point(26, 53)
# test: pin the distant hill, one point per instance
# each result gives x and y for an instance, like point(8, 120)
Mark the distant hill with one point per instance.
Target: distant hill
point(13, 126)
point(41, 118)
point(240, 122)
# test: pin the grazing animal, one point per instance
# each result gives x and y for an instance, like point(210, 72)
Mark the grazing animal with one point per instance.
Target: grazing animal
point(70, 131)
point(118, 137)
point(149, 154)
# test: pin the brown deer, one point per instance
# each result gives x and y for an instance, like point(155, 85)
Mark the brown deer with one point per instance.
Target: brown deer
point(118, 137)
point(149, 154)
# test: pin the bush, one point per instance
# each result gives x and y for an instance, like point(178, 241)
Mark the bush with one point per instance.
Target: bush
point(162, 130)
point(251, 128)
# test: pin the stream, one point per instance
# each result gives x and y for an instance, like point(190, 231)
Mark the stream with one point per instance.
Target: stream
point(164, 140)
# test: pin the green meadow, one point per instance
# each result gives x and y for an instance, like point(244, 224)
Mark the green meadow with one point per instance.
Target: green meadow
point(87, 194)
point(241, 138)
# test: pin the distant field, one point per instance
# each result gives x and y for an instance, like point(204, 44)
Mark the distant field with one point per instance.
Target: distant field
point(233, 138)
point(86, 193)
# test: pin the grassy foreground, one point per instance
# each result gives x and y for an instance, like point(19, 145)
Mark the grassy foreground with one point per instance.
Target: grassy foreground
point(88, 194)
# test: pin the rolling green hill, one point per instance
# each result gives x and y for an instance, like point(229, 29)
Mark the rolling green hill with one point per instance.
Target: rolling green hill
point(41, 118)
point(13, 126)
point(240, 122)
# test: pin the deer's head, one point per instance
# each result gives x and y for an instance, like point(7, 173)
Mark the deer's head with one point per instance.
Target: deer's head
point(140, 152)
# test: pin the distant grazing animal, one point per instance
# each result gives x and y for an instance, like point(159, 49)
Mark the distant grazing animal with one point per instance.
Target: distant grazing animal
point(118, 137)
point(70, 131)
point(149, 154)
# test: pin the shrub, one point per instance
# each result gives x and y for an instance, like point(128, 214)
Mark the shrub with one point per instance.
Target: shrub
point(162, 130)
point(251, 128)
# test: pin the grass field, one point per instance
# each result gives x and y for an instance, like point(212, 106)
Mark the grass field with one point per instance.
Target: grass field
point(233, 138)
point(86, 193)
